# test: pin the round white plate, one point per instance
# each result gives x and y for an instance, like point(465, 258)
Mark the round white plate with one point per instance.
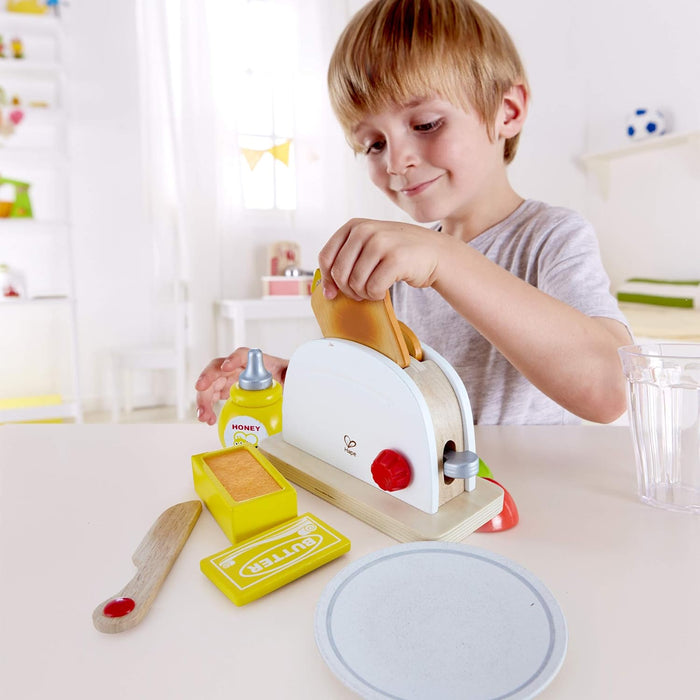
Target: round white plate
point(440, 620)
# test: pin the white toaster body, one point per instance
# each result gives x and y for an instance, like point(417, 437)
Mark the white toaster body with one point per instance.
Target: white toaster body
point(344, 403)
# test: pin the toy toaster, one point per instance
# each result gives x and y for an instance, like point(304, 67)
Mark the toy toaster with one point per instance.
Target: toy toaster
point(376, 423)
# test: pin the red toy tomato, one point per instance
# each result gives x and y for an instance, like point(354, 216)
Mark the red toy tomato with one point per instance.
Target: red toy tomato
point(507, 518)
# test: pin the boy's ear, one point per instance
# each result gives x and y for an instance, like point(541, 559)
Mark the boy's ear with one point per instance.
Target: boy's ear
point(511, 115)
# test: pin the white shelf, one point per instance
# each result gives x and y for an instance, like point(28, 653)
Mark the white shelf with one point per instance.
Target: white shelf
point(650, 144)
point(665, 322)
point(34, 157)
point(35, 301)
point(24, 66)
point(18, 21)
point(40, 157)
point(67, 409)
point(31, 227)
point(43, 115)
point(599, 163)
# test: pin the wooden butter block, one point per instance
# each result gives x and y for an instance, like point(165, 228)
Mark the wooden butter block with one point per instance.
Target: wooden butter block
point(274, 558)
point(243, 491)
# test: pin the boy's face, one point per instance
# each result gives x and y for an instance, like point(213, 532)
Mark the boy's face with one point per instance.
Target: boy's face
point(431, 158)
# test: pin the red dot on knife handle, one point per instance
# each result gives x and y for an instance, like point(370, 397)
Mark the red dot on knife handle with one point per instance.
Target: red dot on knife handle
point(118, 607)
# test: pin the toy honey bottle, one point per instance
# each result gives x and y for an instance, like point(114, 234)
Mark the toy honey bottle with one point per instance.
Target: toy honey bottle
point(254, 409)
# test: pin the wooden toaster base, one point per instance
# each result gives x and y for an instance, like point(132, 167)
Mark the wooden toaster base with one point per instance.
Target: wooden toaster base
point(454, 520)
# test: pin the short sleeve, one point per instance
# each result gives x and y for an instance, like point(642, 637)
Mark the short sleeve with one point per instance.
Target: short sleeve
point(570, 269)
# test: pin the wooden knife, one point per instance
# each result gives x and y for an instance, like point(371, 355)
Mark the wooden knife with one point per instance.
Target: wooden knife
point(154, 558)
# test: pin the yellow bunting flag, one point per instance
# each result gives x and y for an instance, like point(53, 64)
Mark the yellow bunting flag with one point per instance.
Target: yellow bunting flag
point(252, 156)
point(280, 152)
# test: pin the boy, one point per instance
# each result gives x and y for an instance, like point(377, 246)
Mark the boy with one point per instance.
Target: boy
point(511, 292)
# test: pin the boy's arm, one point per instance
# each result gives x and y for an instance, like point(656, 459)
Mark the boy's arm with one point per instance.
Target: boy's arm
point(569, 356)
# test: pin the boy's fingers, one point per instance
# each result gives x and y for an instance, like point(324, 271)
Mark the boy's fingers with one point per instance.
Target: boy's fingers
point(208, 376)
point(330, 289)
point(328, 259)
point(203, 382)
point(218, 365)
point(207, 397)
point(205, 414)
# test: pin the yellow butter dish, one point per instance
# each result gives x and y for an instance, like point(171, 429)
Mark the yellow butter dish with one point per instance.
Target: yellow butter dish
point(274, 558)
point(243, 491)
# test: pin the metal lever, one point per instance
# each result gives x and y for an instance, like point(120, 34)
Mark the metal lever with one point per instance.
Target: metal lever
point(461, 465)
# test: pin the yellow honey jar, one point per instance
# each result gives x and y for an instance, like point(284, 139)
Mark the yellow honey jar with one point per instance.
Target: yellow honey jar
point(254, 408)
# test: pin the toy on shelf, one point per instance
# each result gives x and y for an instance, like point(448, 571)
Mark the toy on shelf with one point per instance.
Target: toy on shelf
point(11, 283)
point(40, 401)
point(20, 207)
point(682, 294)
point(294, 283)
point(281, 255)
point(17, 47)
point(645, 123)
point(32, 7)
point(9, 123)
point(284, 276)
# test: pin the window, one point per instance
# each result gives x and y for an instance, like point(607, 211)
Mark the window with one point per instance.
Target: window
point(255, 48)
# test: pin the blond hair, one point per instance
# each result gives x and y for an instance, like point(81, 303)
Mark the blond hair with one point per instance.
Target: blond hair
point(393, 51)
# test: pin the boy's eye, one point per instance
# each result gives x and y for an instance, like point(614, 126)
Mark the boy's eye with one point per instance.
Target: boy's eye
point(428, 126)
point(375, 147)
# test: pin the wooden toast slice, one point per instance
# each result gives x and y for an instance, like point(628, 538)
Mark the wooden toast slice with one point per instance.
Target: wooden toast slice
point(370, 323)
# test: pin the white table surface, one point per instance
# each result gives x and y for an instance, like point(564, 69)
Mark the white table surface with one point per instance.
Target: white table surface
point(75, 501)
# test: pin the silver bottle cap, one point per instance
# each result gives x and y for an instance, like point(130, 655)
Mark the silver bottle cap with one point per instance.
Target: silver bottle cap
point(255, 377)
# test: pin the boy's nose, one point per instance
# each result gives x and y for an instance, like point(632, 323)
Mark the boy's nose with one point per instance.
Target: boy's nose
point(400, 156)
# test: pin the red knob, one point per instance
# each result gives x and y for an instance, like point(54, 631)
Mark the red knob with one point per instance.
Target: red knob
point(391, 471)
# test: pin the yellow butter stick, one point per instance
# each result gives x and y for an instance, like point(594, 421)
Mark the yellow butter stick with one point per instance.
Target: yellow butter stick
point(273, 558)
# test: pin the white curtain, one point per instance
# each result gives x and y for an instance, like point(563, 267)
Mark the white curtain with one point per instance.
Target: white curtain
point(179, 132)
point(205, 241)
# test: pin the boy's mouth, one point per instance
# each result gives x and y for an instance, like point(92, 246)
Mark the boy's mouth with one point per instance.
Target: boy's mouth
point(417, 189)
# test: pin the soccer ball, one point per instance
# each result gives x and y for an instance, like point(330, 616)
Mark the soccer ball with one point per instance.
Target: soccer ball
point(645, 123)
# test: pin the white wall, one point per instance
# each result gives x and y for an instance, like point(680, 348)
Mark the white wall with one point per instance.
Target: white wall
point(589, 66)
point(646, 55)
point(111, 242)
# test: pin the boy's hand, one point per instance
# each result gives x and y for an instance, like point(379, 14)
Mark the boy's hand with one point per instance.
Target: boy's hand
point(363, 258)
point(215, 382)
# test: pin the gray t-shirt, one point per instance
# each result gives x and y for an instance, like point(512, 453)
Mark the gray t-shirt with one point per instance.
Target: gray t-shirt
point(555, 250)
